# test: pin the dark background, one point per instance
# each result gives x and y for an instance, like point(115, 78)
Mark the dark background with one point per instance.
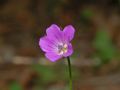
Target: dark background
point(96, 58)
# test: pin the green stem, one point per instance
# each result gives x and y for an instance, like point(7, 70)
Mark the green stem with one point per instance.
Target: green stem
point(70, 73)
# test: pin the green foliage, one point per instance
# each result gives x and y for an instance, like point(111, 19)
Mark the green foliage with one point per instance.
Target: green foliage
point(46, 72)
point(15, 86)
point(87, 13)
point(53, 73)
point(103, 44)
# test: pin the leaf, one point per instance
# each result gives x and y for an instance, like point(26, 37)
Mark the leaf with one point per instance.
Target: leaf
point(87, 14)
point(103, 44)
point(15, 86)
point(48, 74)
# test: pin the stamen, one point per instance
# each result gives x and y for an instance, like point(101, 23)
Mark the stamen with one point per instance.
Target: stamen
point(62, 48)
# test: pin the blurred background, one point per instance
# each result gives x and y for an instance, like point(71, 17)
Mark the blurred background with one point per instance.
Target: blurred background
point(96, 58)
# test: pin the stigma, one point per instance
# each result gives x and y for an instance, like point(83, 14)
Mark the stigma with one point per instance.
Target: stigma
point(62, 48)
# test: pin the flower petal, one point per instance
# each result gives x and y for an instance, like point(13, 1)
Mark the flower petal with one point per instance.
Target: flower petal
point(69, 32)
point(69, 52)
point(46, 44)
point(54, 32)
point(52, 56)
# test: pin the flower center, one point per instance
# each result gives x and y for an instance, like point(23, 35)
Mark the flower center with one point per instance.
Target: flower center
point(62, 48)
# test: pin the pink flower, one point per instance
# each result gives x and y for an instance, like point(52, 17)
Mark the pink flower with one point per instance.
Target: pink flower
point(56, 44)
